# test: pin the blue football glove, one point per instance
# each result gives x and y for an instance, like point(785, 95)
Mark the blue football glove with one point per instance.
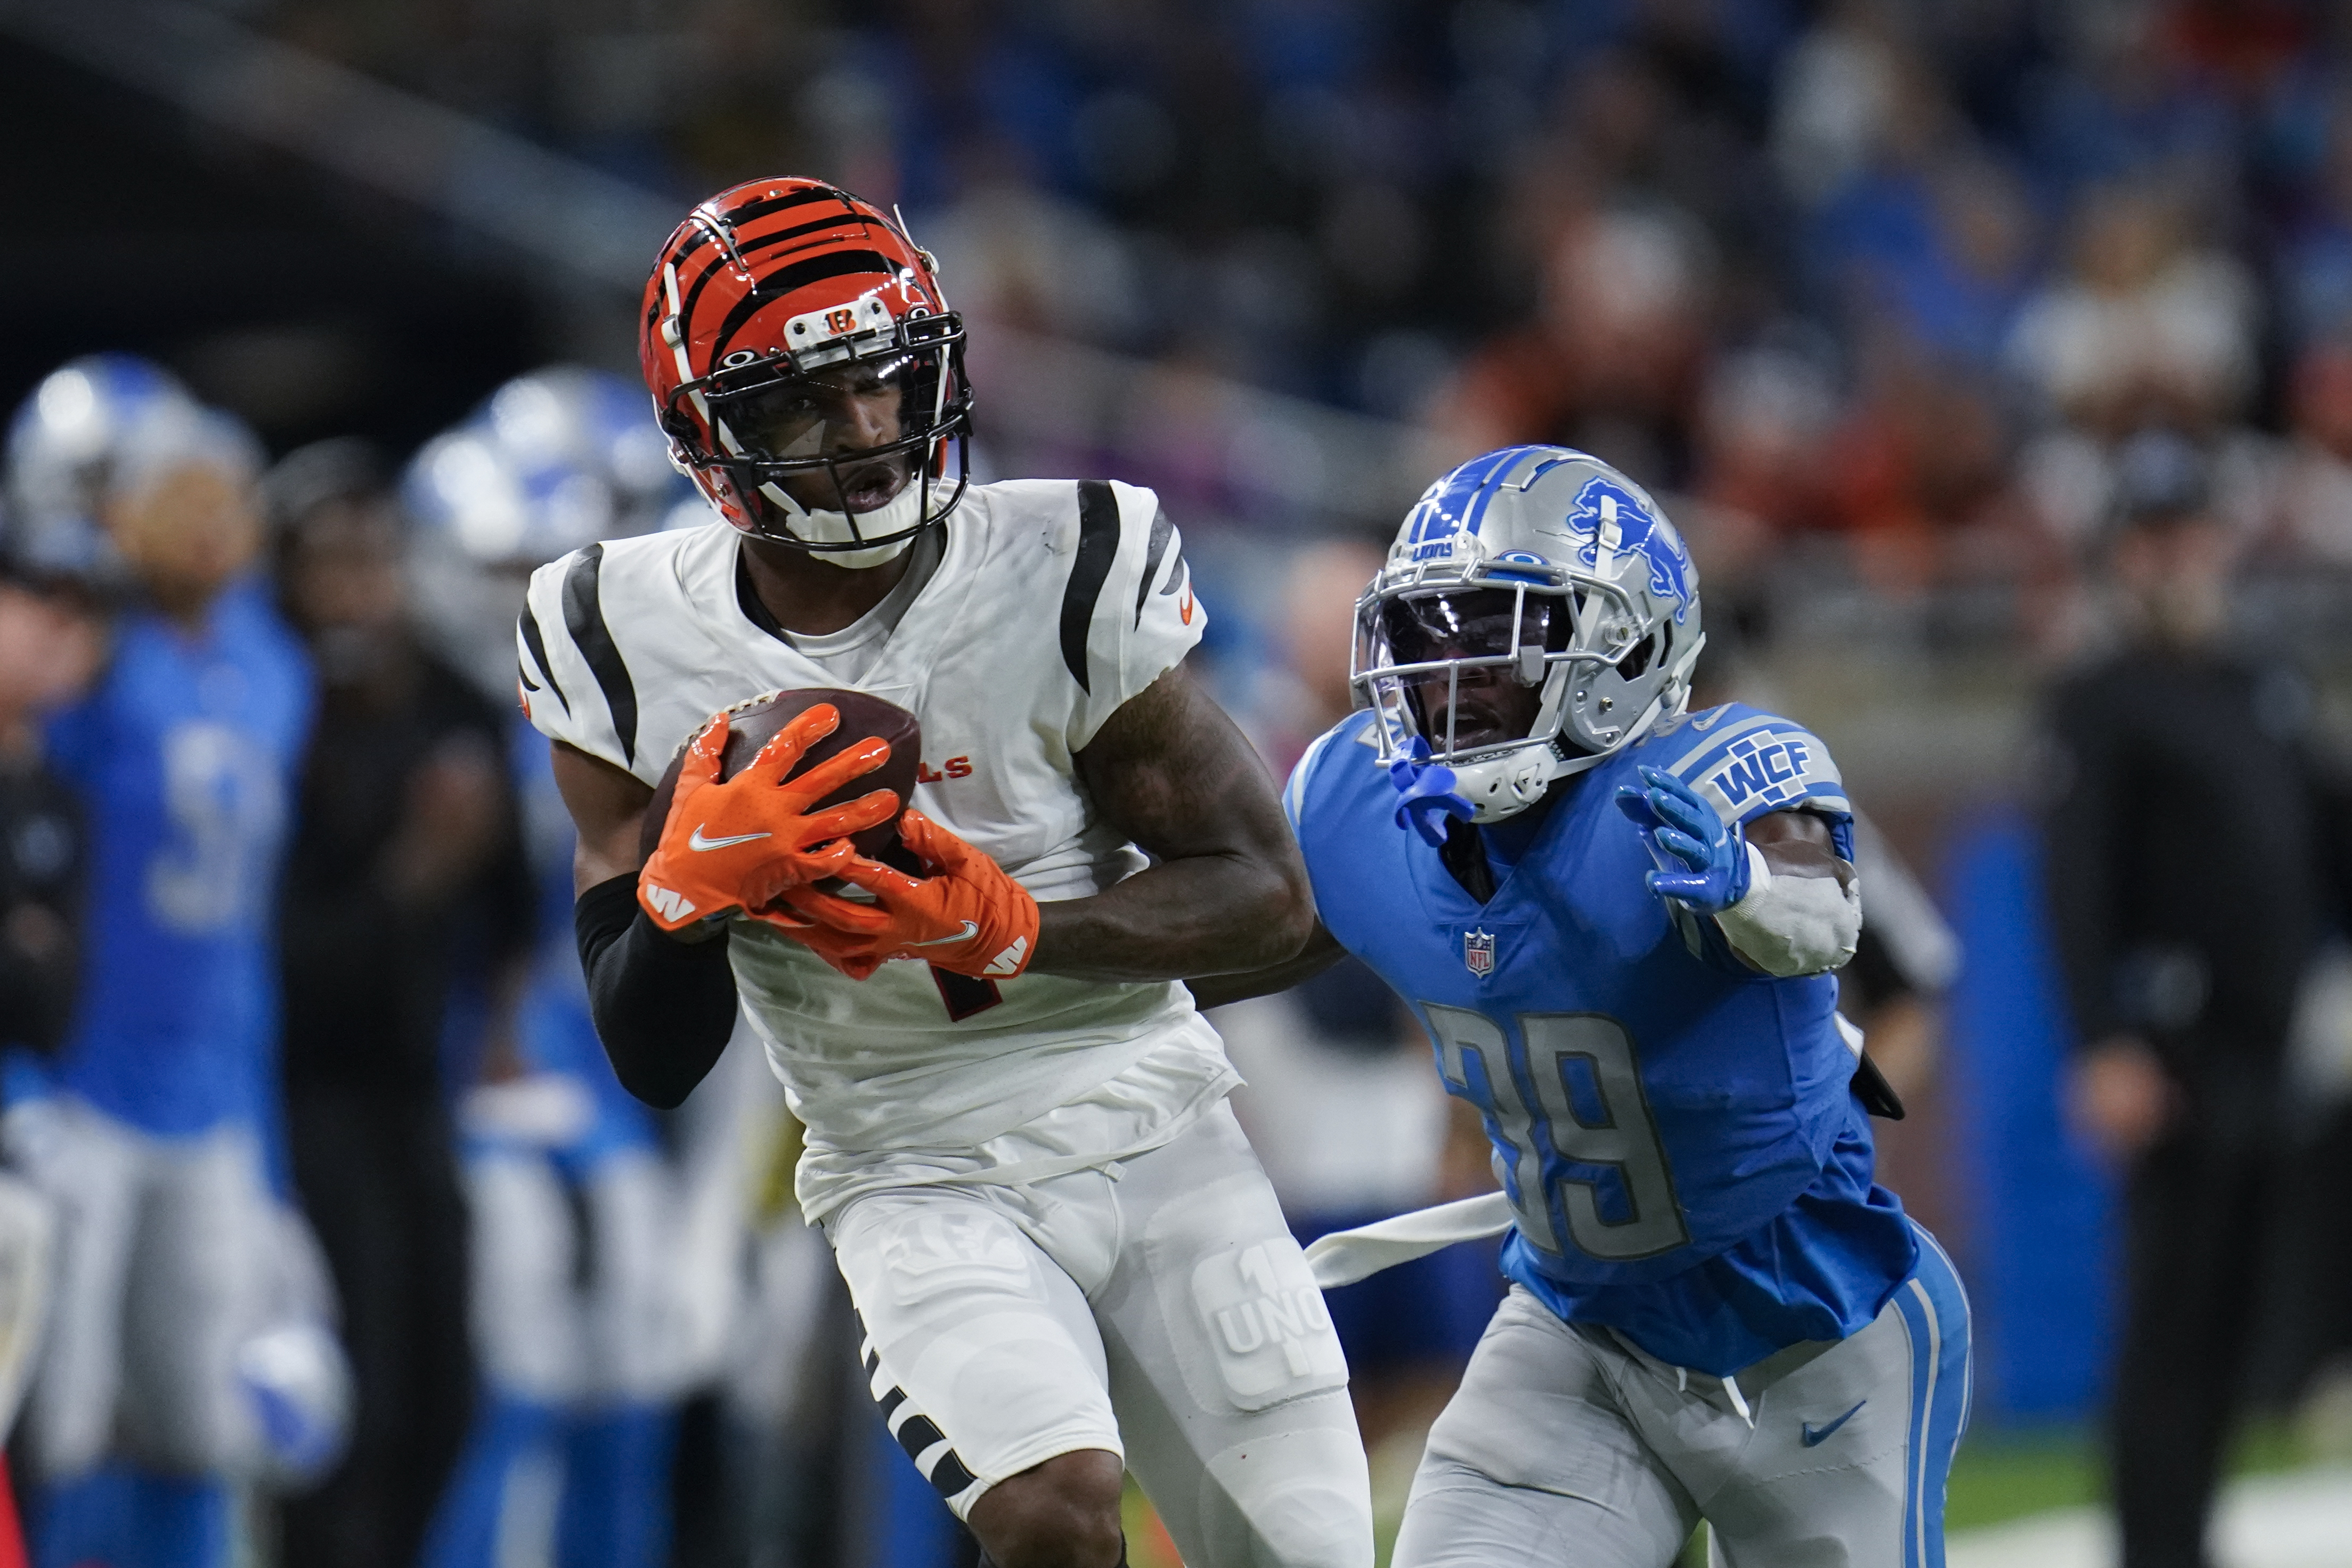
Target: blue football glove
point(1427, 793)
point(1701, 862)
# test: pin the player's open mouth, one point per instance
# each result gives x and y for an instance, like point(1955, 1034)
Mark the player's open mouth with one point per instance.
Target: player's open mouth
point(1468, 735)
point(872, 486)
point(1474, 723)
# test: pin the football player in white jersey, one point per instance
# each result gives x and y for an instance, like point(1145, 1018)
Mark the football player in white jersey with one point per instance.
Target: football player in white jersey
point(1065, 1258)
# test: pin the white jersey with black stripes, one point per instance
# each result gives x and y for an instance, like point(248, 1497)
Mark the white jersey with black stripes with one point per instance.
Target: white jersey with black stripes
point(1052, 603)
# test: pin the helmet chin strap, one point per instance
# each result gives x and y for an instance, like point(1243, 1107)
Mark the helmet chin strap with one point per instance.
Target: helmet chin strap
point(1499, 788)
point(818, 526)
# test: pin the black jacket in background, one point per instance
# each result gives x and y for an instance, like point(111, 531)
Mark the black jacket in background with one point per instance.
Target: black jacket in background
point(43, 856)
point(2195, 855)
point(366, 983)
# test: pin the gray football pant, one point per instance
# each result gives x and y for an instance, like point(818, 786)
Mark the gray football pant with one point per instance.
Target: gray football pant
point(1159, 1310)
point(161, 1271)
point(1567, 1448)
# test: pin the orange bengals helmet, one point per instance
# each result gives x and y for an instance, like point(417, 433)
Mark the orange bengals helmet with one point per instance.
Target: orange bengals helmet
point(765, 288)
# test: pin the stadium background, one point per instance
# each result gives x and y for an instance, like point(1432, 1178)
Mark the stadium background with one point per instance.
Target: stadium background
point(1865, 291)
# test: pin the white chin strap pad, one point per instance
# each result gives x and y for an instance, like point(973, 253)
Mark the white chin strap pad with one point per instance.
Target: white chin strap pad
point(897, 515)
point(1505, 786)
point(1791, 925)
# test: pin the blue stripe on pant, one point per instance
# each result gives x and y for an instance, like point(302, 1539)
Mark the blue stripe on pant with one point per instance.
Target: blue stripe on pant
point(1935, 1311)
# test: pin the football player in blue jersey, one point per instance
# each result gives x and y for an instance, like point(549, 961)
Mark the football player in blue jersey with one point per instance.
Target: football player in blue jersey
point(151, 1129)
point(1617, 921)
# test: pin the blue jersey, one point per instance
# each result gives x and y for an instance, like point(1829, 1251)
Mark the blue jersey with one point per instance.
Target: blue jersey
point(1683, 1157)
point(185, 756)
point(555, 1031)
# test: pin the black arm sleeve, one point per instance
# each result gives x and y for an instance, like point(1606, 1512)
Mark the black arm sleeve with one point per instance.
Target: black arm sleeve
point(41, 911)
point(663, 1007)
point(38, 985)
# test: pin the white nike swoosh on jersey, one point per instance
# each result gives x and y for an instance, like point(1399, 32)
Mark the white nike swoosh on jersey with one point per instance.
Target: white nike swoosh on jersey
point(695, 840)
point(971, 929)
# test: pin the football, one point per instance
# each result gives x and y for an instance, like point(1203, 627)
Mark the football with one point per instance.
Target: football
point(751, 724)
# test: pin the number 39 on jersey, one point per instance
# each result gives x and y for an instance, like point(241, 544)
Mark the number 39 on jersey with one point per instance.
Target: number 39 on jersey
point(1575, 1145)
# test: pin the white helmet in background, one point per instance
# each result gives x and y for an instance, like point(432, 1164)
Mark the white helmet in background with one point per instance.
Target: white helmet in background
point(1546, 568)
point(551, 461)
point(94, 425)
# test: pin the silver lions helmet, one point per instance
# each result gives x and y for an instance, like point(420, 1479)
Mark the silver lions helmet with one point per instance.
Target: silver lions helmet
point(1537, 615)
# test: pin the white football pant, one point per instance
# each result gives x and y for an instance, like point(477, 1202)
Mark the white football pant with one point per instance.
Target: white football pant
point(1158, 1309)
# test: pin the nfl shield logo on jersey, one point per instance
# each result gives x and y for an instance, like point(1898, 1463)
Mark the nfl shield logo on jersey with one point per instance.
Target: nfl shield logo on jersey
point(1478, 952)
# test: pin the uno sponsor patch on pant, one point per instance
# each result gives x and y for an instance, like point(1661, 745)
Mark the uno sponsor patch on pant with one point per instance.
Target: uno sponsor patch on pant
point(1266, 1323)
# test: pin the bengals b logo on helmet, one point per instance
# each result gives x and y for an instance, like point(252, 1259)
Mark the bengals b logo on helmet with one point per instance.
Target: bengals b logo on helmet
point(728, 315)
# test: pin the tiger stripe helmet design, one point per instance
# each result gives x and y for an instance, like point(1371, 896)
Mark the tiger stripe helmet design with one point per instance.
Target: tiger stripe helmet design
point(765, 285)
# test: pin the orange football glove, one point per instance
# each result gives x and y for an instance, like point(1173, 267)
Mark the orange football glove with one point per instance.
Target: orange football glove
point(736, 845)
point(968, 917)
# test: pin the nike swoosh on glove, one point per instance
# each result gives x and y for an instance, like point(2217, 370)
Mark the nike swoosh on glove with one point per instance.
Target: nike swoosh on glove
point(968, 917)
point(1701, 862)
point(738, 845)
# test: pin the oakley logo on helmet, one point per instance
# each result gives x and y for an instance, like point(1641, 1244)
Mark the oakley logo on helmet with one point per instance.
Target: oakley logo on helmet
point(1608, 520)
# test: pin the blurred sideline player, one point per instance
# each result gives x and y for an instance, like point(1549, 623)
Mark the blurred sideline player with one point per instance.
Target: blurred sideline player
point(574, 1215)
point(1616, 921)
point(51, 641)
point(187, 1336)
point(1063, 1254)
point(403, 873)
point(1339, 1102)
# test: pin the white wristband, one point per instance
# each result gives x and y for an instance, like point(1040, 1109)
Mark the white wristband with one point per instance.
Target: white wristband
point(1791, 925)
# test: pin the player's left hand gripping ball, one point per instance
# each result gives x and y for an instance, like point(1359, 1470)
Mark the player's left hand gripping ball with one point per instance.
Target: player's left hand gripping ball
point(737, 845)
point(1701, 862)
point(968, 917)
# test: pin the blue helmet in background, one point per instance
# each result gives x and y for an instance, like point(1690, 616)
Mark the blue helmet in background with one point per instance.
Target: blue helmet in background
point(1546, 568)
point(551, 461)
point(68, 446)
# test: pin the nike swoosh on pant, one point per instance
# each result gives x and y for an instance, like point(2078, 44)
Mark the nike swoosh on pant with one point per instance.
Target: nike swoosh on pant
point(971, 929)
point(695, 840)
point(1813, 1436)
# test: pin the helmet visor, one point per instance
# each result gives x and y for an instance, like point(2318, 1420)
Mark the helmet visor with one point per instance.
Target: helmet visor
point(1475, 623)
point(1470, 665)
point(835, 440)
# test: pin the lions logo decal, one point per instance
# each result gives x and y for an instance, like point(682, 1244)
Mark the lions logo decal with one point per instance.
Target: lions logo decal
point(1606, 516)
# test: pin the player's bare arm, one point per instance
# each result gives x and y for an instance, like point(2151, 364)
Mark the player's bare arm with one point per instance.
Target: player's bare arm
point(1796, 842)
point(1322, 950)
point(608, 806)
point(1227, 892)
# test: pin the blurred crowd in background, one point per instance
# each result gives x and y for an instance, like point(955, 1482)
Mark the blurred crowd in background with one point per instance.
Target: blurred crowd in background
point(1895, 277)
point(1877, 297)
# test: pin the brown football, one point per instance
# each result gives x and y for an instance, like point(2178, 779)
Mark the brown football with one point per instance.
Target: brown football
point(751, 725)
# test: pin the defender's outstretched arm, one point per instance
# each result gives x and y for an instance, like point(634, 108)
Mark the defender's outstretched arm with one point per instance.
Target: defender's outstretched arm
point(1227, 891)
